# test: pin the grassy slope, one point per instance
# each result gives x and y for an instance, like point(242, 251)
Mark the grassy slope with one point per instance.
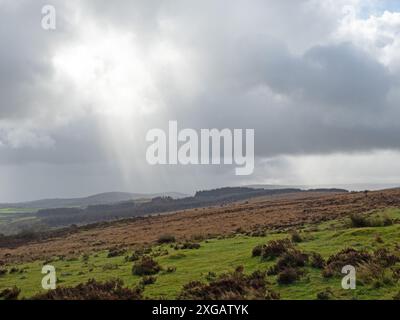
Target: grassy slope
point(220, 255)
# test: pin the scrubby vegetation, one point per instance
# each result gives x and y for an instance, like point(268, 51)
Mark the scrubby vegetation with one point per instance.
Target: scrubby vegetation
point(327, 294)
point(274, 266)
point(10, 293)
point(363, 221)
point(230, 286)
point(289, 275)
point(116, 252)
point(348, 256)
point(146, 266)
point(147, 280)
point(296, 237)
point(93, 290)
point(276, 248)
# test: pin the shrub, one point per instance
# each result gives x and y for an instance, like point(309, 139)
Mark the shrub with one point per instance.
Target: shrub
point(14, 270)
point(369, 272)
point(93, 290)
point(276, 248)
point(166, 238)
point(293, 259)
point(328, 272)
point(230, 286)
point(170, 269)
point(296, 237)
point(10, 293)
point(146, 266)
point(345, 257)
point(317, 261)
point(387, 221)
point(257, 251)
point(189, 245)
point(147, 280)
point(290, 260)
point(134, 257)
point(3, 271)
point(384, 258)
point(288, 276)
point(115, 252)
point(358, 221)
point(327, 294)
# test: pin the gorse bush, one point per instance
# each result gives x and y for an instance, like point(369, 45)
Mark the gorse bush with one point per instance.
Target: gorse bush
point(369, 266)
point(348, 256)
point(358, 221)
point(384, 258)
point(147, 280)
point(190, 245)
point(317, 261)
point(257, 251)
point(291, 259)
point(276, 248)
point(296, 237)
point(230, 286)
point(10, 293)
point(145, 267)
point(362, 221)
point(369, 272)
point(115, 252)
point(289, 275)
point(327, 294)
point(93, 290)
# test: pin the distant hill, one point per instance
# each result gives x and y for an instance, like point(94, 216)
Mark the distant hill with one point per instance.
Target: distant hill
point(97, 199)
point(61, 217)
point(275, 186)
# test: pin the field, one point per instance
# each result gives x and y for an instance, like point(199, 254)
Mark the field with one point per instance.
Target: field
point(229, 235)
point(12, 220)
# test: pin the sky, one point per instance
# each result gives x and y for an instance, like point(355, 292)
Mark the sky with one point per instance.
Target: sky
point(318, 81)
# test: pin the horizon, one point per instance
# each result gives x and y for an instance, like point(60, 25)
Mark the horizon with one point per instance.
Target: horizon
point(358, 187)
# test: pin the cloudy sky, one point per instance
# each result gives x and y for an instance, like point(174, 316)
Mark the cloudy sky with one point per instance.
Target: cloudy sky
point(319, 81)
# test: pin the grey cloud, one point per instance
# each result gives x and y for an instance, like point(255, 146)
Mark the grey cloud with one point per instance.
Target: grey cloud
point(267, 65)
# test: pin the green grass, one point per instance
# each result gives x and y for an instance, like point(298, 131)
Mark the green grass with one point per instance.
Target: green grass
point(222, 255)
point(9, 211)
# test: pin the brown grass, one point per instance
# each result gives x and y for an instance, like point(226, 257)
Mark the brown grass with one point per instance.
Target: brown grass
point(273, 212)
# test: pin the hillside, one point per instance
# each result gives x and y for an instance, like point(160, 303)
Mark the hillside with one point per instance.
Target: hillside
point(97, 199)
point(268, 212)
point(226, 237)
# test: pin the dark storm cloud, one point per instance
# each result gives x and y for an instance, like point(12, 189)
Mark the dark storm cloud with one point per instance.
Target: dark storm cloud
point(274, 66)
